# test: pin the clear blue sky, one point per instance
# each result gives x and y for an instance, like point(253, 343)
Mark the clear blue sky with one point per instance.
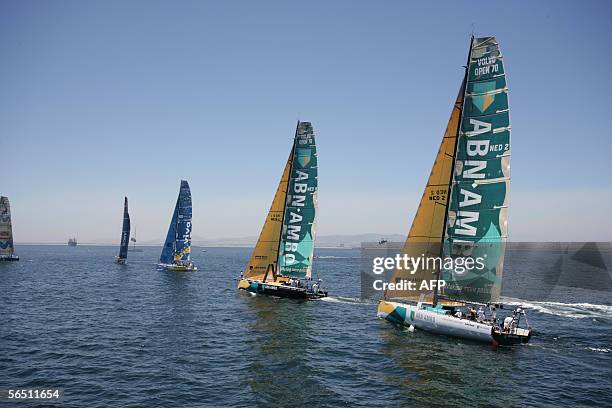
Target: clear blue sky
point(111, 98)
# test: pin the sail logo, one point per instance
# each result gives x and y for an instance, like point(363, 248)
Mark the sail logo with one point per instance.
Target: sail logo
point(187, 233)
point(486, 60)
point(295, 218)
point(473, 168)
point(483, 101)
point(303, 156)
point(464, 220)
point(486, 66)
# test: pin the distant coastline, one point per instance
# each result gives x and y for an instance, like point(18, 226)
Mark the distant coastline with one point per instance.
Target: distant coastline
point(354, 244)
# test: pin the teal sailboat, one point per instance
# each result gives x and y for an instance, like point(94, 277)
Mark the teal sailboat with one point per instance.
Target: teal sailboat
point(7, 248)
point(176, 253)
point(281, 263)
point(462, 217)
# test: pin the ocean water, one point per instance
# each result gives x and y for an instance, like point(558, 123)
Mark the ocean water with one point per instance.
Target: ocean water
point(131, 335)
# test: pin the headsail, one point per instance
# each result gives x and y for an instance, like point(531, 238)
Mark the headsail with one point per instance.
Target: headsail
point(265, 254)
point(178, 240)
point(299, 221)
point(168, 249)
point(125, 232)
point(6, 229)
point(477, 217)
point(425, 235)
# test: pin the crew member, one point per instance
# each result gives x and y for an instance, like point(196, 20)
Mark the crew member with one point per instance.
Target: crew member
point(508, 323)
point(481, 315)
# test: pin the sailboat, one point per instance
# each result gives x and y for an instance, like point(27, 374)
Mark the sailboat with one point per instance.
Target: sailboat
point(133, 248)
point(176, 253)
point(281, 263)
point(463, 215)
point(125, 235)
point(7, 249)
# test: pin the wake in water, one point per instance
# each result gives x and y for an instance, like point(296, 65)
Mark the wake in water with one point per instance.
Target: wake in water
point(599, 350)
point(335, 257)
point(572, 310)
point(349, 300)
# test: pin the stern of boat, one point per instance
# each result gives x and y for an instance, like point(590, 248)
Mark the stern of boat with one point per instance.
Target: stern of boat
point(511, 337)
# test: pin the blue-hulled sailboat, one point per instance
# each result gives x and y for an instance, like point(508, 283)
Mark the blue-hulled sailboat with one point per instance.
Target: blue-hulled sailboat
point(176, 253)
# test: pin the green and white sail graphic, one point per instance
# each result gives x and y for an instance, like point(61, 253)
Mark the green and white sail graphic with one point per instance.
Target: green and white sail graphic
point(299, 221)
point(477, 213)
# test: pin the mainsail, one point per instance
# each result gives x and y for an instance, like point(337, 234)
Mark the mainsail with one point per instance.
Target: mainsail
point(6, 229)
point(177, 247)
point(477, 217)
point(125, 232)
point(299, 221)
point(287, 237)
point(473, 163)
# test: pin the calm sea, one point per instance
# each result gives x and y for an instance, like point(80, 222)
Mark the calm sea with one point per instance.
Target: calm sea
point(135, 336)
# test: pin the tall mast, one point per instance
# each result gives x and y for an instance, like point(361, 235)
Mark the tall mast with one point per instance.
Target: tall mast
point(452, 173)
point(280, 234)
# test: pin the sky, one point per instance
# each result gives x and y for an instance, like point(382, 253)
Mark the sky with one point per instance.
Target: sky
point(111, 98)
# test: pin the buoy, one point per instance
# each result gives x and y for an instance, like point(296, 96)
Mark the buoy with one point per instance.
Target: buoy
point(411, 328)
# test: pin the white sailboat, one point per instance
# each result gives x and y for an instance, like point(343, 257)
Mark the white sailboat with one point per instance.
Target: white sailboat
point(133, 240)
point(463, 215)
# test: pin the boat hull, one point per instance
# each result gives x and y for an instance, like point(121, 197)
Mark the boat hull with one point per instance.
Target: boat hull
point(411, 315)
point(11, 258)
point(279, 290)
point(177, 268)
